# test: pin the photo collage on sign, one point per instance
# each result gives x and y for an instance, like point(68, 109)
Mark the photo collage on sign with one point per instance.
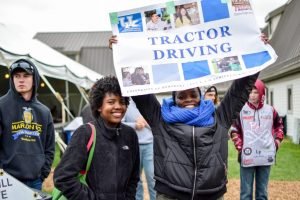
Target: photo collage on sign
point(180, 15)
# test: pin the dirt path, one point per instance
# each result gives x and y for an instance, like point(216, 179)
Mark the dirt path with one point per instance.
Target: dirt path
point(278, 190)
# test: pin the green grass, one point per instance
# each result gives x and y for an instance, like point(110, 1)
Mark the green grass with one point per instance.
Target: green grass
point(287, 165)
point(56, 156)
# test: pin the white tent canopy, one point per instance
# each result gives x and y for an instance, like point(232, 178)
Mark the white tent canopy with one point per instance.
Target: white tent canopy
point(48, 61)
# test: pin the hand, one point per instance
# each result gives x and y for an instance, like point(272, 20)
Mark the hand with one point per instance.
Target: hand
point(264, 38)
point(237, 142)
point(277, 144)
point(112, 40)
point(140, 123)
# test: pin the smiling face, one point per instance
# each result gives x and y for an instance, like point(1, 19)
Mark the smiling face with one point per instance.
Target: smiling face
point(112, 109)
point(188, 98)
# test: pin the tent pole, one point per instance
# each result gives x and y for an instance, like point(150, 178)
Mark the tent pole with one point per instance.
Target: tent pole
point(67, 97)
point(83, 96)
point(83, 93)
point(80, 106)
point(58, 97)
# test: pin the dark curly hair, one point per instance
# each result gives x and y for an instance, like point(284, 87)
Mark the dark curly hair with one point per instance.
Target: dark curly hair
point(107, 84)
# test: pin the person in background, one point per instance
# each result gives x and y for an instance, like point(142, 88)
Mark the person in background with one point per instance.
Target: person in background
point(27, 139)
point(114, 171)
point(257, 134)
point(134, 119)
point(211, 93)
point(86, 113)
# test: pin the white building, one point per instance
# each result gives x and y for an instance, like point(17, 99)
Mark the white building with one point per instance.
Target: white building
point(283, 77)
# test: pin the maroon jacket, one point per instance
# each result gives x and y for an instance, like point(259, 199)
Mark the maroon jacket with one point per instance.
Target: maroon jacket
point(237, 131)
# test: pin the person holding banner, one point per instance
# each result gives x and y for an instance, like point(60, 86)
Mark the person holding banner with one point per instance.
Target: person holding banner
point(191, 139)
point(257, 134)
point(114, 171)
point(27, 138)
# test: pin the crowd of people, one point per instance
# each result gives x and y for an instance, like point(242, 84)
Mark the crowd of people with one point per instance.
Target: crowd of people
point(181, 144)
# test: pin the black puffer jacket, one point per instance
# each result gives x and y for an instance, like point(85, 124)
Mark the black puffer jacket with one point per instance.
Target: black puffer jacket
point(114, 171)
point(190, 162)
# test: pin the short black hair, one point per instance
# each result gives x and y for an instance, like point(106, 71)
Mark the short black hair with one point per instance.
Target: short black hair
point(107, 84)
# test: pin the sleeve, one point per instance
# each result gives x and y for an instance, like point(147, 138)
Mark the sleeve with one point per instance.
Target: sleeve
point(135, 175)
point(277, 129)
point(236, 134)
point(149, 108)
point(235, 99)
point(72, 162)
point(49, 149)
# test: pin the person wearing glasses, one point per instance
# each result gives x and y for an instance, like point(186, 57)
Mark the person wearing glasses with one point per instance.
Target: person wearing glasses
point(27, 138)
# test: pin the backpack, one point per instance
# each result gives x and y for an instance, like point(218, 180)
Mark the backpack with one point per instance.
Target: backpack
point(56, 193)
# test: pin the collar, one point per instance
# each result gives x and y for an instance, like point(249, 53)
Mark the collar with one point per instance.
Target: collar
point(108, 132)
point(260, 105)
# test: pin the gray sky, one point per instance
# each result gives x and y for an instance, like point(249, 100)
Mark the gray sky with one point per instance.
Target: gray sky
point(31, 16)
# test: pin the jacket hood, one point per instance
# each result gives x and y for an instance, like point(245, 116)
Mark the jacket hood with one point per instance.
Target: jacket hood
point(36, 78)
point(260, 86)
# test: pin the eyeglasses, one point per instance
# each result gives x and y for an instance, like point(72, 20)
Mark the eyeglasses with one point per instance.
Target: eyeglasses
point(24, 65)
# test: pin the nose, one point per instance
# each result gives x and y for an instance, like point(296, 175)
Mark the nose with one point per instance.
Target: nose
point(118, 105)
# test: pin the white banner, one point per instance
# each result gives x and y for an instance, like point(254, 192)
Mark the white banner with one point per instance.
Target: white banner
point(184, 44)
point(12, 189)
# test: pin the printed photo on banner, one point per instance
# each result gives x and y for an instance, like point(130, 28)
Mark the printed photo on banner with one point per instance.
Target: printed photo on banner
point(241, 5)
point(186, 15)
point(130, 23)
point(226, 64)
point(186, 43)
point(135, 76)
point(157, 20)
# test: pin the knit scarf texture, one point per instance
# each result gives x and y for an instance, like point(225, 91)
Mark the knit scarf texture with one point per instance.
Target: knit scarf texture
point(199, 116)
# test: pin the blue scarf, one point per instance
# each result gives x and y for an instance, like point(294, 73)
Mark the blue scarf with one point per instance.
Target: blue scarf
point(199, 116)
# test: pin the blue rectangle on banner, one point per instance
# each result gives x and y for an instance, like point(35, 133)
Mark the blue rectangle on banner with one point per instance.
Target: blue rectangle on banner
point(256, 59)
point(214, 10)
point(192, 70)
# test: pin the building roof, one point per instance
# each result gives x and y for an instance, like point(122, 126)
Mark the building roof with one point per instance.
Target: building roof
point(286, 42)
point(90, 47)
point(74, 41)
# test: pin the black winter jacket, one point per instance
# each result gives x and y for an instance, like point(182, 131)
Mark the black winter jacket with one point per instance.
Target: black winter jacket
point(190, 162)
point(114, 171)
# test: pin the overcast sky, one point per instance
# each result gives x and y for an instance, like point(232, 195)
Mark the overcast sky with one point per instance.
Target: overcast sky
point(85, 15)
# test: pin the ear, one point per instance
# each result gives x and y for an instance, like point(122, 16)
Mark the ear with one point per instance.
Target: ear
point(99, 110)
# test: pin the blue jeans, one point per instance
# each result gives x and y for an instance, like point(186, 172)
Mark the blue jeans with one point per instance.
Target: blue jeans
point(35, 184)
point(261, 174)
point(146, 163)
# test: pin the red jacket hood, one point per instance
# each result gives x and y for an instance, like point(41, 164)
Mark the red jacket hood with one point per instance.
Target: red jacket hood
point(260, 86)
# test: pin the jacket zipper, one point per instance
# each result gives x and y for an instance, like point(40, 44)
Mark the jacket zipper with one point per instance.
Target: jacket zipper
point(117, 191)
point(195, 163)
